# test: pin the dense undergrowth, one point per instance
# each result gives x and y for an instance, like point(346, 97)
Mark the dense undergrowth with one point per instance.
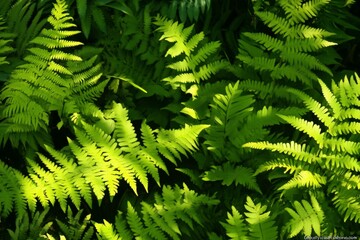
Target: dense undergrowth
point(201, 119)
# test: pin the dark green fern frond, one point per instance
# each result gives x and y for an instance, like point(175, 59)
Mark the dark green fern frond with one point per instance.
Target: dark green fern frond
point(76, 227)
point(185, 9)
point(4, 43)
point(229, 110)
point(10, 192)
point(175, 212)
point(31, 227)
point(26, 20)
point(228, 174)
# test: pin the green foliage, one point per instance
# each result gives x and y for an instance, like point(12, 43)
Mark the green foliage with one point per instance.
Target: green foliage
point(4, 43)
point(186, 9)
point(100, 127)
point(31, 228)
point(176, 213)
point(327, 160)
point(57, 75)
point(260, 224)
point(292, 50)
point(195, 67)
point(307, 217)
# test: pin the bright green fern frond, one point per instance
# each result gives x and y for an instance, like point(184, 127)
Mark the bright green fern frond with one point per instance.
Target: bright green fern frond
point(311, 129)
point(302, 12)
point(170, 143)
point(162, 219)
point(261, 225)
point(195, 65)
point(306, 217)
point(298, 151)
point(48, 82)
point(320, 111)
point(306, 179)
point(235, 227)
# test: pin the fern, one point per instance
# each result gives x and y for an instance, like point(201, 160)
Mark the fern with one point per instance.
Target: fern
point(306, 217)
point(4, 43)
point(328, 159)
point(291, 53)
point(162, 219)
point(96, 163)
point(235, 226)
point(31, 228)
point(230, 174)
point(25, 19)
point(259, 223)
point(48, 81)
point(185, 9)
point(189, 68)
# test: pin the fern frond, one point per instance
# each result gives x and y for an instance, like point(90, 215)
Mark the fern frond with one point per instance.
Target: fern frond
point(309, 128)
point(194, 66)
point(229, 174)
point(306, 179)
point(235, 227)
point(306, 217)
point(261, 225)
point(4, 43)
point(346, 201)
point(161, 220)
point(303, 12)
point(47, 82)
point(298, 151)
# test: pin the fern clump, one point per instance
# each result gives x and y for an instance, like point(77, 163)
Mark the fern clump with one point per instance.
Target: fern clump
point(176, 213)
point(101, 156)
point(328, 159)
point(293, 49)
point(50, 80)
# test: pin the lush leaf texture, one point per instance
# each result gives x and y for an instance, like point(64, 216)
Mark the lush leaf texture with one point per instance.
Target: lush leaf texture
point(4, 43)
point(195, 66)
point(328, 160)
point(292, 50)
point(176, 211)
point(259, 223)
point(103, 154)
point(50, 80)
point(182, 119)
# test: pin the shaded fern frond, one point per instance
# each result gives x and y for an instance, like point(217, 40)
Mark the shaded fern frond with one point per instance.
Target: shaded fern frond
point(4, 43)
point(228, 174)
